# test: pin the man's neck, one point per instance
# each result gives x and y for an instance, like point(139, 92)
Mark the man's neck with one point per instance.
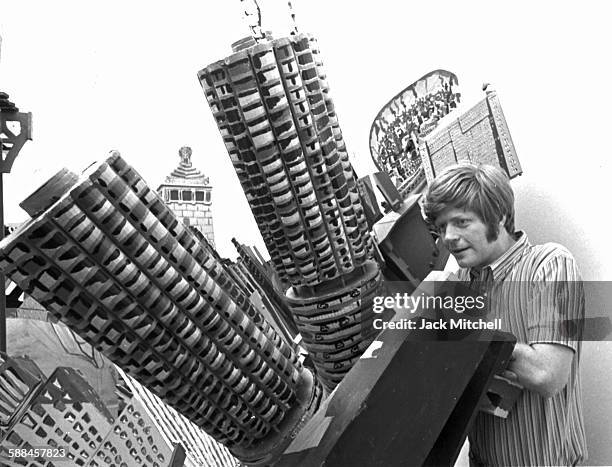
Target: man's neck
point(504, 242)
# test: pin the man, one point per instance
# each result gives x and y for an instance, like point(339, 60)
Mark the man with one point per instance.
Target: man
point(537, 292)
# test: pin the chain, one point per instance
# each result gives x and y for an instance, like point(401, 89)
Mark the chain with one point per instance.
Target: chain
point(252, 13)
point(292, 15)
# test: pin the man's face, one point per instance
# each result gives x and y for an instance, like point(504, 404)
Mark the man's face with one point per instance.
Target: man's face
point(465, 236)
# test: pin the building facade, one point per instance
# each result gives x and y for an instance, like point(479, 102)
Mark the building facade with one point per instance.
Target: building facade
point(188, 192)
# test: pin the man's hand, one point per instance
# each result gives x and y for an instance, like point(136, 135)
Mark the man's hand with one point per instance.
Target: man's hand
point(542, 368)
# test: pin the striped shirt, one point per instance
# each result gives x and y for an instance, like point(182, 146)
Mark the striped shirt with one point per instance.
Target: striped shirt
point(538, 293)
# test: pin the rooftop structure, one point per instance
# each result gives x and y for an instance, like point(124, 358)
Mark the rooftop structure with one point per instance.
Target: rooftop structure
point(188, 192)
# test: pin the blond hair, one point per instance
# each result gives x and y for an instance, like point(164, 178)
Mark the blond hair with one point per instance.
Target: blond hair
point(482, 189)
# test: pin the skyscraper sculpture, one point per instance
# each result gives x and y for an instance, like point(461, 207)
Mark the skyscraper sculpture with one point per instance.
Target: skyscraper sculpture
point(272, 105)
point(107, 257)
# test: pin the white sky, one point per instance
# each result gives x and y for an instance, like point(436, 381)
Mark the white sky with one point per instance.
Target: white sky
point(122, 75)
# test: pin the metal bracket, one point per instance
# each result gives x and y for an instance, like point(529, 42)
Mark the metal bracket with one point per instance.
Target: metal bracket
point(15, 130)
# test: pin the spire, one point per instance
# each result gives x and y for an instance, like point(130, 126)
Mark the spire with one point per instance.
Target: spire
point(185, 173)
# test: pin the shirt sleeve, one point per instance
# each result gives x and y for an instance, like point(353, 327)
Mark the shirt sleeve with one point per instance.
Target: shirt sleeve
point(557, 305)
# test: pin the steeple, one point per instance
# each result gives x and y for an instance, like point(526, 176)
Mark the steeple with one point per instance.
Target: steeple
point(188, 192)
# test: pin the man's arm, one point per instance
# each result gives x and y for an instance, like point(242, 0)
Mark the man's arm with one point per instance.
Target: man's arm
point(542, 368)
point(555, 315)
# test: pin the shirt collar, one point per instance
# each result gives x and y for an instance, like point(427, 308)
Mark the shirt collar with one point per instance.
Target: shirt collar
point(500, 267)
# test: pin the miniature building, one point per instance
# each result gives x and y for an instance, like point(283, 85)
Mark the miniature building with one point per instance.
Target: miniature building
point(61, 412)
point(200, 449)
point(114, 263)
point(272, 105)
point(187, 191)
point(262, 274)
point(63, 416)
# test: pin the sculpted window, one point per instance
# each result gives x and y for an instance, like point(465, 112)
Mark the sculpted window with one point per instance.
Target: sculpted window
point(199, 196)
point(174, 195)
point(187, 195)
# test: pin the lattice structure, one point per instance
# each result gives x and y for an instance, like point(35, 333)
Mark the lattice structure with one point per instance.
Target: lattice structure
point(15, 130)
point(272, 105)
point(113, 262)
point(201, 449)
point(337, 324)
point(252, 289)
point(479, 135)
point(63, 412)
point(133, 440)
point(19, 378)
point(263, 276)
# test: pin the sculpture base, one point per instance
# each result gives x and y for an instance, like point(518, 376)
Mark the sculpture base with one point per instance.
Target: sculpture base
point(409, 400)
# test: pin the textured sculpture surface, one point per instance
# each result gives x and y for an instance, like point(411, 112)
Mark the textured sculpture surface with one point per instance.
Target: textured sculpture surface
point(272, 105)
point(112, 261)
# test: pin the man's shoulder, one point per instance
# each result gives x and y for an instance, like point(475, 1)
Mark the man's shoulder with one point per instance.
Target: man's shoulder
point(548, 256)
point(548, 251)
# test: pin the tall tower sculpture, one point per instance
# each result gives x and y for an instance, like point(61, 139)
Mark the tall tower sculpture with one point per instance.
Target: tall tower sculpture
point(188, 192)
point(105, 255)
point(271, 103)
